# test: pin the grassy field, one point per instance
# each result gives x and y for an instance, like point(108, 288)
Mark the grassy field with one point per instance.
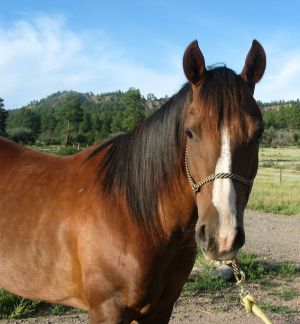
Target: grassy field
point(285, 153)
point(277, 185)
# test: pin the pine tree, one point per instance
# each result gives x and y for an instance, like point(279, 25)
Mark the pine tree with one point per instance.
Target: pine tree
point(135, 109)
point(3, 117)
point(72, 115)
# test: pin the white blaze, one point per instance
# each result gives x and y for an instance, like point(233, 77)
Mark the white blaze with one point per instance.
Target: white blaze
point(224, 196)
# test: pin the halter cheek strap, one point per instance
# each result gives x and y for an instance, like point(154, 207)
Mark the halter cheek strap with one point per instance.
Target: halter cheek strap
point(196, 186)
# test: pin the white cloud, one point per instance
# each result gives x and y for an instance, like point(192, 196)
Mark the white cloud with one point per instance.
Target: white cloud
point(282, 79)
point(41, 56)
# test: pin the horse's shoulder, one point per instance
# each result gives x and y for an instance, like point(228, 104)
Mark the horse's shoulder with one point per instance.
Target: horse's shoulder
point(11, 151)
point(9, 147)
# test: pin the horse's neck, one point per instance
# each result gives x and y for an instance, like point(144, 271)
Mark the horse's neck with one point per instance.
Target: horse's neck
point(178, 209)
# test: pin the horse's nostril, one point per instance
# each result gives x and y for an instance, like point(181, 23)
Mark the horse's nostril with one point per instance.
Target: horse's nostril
point(239, 240)
point(202, 234)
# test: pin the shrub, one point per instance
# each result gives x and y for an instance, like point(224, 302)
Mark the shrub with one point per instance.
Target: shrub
point(21, 135)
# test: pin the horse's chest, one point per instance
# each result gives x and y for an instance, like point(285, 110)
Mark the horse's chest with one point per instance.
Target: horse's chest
point(162, 285)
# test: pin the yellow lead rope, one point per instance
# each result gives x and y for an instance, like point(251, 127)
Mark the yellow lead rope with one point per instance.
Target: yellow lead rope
point(247, 300)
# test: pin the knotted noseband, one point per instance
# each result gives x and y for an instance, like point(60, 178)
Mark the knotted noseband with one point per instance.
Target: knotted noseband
point(196, 186)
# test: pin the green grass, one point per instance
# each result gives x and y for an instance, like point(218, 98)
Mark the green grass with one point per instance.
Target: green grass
point(258, 271)
point(286, 294)
point(57, 149)
point(279, 309)
point(287, 270)
point(255, 270)
point(268, 193)
point(286, 153)
point(206, 283)
point(12, 306)
point(64, 151)
point(272, 196)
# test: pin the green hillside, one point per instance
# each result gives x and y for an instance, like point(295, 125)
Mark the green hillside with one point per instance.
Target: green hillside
point(69, 118)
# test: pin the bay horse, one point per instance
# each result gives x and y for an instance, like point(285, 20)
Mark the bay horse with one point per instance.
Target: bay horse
point(114, 229)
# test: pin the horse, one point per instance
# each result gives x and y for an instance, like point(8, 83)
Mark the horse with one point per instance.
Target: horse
point(114, 229)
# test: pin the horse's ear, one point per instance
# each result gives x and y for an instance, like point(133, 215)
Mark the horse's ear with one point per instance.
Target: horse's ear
point(255, 64)
point(193, 63)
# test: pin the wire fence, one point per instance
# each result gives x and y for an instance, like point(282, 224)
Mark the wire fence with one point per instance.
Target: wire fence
point(280, 171)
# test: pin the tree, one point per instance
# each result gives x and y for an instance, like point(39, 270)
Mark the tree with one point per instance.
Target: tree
point(72, 114)
point(268, 136)
point(293, 117)
point(3, 117)
point(86, 124)
point(134, 111)
point(21, 135)
point(103, 124)
point(86, 134)
point(117, 122)
point(151, 96)
point(25, 118)
point(48, 120)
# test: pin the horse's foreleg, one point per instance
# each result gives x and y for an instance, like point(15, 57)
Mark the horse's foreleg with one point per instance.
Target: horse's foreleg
point(108, 312)
point(161, 317)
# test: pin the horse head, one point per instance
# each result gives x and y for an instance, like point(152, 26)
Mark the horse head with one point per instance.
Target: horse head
point(223, 124)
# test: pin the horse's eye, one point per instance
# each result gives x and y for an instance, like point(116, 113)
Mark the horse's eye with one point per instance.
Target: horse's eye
point(189, 133)
point(259, 133)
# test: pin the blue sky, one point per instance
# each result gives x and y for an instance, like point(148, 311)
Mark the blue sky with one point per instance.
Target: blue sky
point(100, 46)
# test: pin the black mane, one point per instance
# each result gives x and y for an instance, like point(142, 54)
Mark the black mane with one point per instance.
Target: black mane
point(225, 99)
point(144, 163)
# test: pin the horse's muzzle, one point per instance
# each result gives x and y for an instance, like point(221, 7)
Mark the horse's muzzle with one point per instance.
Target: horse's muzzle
point(220, 248)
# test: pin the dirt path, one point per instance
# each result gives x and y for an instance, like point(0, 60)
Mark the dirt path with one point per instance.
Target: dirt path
point(274, 238)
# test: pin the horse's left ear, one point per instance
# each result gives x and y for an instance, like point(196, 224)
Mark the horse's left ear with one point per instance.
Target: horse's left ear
point(255, 64)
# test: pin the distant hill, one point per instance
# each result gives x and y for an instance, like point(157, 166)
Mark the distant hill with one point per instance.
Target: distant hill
point(70, 117)
point(151, 102)
point(56, 99)
point(276, 105)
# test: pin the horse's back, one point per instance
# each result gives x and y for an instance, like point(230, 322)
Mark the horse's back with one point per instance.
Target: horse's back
point(12, 153)
point(37, 215)
point(25, 172)
point(8, 150)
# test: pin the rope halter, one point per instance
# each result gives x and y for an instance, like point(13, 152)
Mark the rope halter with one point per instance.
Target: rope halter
point(196, 186)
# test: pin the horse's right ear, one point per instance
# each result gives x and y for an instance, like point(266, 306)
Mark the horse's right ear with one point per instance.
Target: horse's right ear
point(193, 63)
point(255, 64)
